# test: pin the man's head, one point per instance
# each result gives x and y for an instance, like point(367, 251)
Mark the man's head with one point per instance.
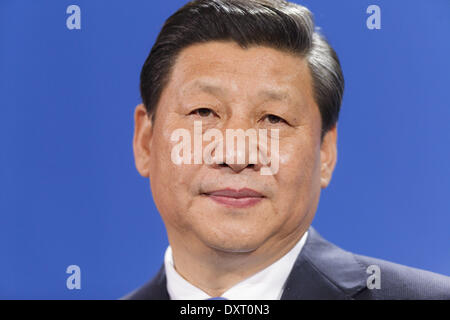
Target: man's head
point(239, 64)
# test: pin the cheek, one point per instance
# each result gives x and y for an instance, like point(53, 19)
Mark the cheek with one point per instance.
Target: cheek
point(298, 182)
point(285, 159)
point(163, 168)
point(299, 166)
point(171, 183)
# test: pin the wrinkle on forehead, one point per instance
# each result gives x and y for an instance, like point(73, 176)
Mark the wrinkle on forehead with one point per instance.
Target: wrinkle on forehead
point(217, 68)
point(202, 59)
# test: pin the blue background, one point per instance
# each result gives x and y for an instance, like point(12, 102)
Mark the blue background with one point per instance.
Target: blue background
point(69, 191)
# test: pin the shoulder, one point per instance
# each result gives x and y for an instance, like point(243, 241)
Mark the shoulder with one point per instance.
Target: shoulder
point(396, 281)
point(155, 289)
point(341, 274)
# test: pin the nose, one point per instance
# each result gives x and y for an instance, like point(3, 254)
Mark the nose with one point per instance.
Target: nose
point(237, 158)
point(240, 147)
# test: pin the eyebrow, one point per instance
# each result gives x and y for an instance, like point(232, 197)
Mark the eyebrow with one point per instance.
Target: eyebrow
point(275, 94)
point(216, 90)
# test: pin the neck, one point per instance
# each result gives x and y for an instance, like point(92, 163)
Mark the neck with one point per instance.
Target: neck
point(215, 271)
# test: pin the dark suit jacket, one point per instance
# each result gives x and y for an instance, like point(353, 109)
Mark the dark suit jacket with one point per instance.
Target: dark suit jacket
point(325, 271)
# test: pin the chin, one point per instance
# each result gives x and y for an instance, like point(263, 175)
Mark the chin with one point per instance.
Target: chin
point(238, 243)
point(237, 249)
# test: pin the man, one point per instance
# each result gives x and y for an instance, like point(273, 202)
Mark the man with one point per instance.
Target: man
point(241, 229)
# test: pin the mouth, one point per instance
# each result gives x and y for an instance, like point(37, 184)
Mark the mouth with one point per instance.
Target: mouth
point(242, 198)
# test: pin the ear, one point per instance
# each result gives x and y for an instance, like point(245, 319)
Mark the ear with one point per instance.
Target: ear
point(328, 156)
point(142, 140)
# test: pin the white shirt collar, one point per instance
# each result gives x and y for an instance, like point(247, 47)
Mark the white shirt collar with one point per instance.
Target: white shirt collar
point(267, 284)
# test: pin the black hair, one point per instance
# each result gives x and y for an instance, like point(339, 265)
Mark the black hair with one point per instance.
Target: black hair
point(274, 23)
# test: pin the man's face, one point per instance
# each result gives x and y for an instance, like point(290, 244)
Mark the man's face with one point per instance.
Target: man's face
point(227, 87)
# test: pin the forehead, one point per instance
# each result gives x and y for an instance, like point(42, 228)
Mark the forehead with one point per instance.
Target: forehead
point(227, 66)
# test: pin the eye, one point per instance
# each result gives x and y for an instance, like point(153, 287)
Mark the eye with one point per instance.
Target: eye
point(273, 119)
point(203, 112)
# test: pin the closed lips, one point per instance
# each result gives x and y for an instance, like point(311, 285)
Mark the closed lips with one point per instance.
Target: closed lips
point(237, 194)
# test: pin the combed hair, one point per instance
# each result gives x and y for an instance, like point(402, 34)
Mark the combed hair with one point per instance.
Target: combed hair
point(274, 23)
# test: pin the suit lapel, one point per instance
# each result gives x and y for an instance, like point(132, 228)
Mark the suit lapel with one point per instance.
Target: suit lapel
point(323, 271)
